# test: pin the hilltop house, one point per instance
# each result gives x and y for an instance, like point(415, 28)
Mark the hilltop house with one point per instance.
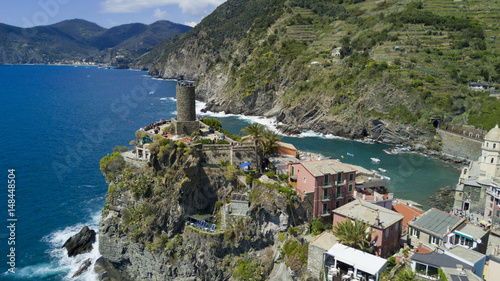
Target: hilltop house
point(433, 228)
point(471, 237)
point(317, 250)
point(387, 224)
point(463, 260)
point(436, 228)
point(342, 260)
point(323, 185)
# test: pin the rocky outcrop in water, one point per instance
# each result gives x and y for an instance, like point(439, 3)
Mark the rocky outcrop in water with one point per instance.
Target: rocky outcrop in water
point(81, 242)
point(83, 267)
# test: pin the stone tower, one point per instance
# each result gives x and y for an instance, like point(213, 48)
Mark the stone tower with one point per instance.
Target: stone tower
point(185, 96)
point(185, 123)
point(490, 158)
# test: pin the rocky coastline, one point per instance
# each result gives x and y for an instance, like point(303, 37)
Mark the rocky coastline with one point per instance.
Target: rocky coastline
point(147, 232)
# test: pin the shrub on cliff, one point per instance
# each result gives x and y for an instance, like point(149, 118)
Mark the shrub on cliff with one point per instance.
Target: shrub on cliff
point(111, 165)
point(295, 254)
point(249, 270)
point(141, 185)
point(317, 227)
point(120, 148)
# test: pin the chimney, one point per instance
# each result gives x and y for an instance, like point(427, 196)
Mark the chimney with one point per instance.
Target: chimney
point(377, 220)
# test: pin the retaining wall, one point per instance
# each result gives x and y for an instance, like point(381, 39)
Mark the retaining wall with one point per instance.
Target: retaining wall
point(236, 155)
point(459, 145)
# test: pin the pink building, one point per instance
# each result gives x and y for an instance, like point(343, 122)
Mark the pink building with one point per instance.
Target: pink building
point(387, 224)
point(323, 185)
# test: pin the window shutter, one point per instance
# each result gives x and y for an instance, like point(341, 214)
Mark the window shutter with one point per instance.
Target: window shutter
point(418, 233)
point(430, 239)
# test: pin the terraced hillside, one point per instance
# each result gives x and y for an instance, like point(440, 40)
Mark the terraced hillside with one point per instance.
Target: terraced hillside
point(399, 63)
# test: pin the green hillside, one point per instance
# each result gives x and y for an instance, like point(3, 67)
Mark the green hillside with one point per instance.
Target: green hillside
point(400, 61)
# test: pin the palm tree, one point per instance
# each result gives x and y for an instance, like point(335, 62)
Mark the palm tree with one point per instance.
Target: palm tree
point(405, 275)
point(254, 132)
point(354, 234)
point(270, 142)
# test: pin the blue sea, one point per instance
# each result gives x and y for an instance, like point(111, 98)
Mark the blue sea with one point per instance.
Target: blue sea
point(57, 122)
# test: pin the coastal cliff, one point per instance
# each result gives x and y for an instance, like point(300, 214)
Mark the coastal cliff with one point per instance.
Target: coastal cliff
point(144, 234)
point(333, 68)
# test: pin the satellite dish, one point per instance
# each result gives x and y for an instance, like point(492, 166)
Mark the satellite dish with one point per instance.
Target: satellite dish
point(374, 243)
point(479, 241)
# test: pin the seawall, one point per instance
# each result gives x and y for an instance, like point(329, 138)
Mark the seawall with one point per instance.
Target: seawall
point(459, 145)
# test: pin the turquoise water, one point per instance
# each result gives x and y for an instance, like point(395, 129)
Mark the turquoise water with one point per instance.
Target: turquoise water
point(58, 122)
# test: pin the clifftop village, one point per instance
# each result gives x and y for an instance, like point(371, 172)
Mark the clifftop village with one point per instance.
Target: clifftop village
point(459, 245)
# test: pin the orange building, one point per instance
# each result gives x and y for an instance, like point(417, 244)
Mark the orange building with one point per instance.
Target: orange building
point(286, 149)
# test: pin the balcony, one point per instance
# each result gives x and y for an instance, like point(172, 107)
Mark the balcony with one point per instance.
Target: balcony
point(326, 199)
point(339, 196)
point(325, 214)
point(495, 193)
point(340, 183)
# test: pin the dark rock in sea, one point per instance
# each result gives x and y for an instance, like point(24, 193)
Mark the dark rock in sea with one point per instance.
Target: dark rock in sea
point(81, 242)
point(84, 267)
point(443, 199)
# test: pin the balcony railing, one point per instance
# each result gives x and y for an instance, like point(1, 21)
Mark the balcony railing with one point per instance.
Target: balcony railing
point(327, 186)
point(339, 196)
point(326, 198)
point(340, 183)
point(494, 193)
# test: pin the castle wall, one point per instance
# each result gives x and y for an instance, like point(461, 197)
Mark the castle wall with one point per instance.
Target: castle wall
point(459, 145)
point(236, 155)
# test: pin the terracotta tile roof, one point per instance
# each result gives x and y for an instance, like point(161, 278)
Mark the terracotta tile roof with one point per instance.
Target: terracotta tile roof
point(408, 212)
point(423, 249)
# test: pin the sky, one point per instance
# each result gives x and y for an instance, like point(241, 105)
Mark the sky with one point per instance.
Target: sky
point(106, 13)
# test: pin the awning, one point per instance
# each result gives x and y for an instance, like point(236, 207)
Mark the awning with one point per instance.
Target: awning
point(358, 259)
point(245, 164)
point(464, 235)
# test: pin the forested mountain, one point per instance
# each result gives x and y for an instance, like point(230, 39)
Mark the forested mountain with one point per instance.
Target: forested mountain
point(354, 68)
point(78, 40)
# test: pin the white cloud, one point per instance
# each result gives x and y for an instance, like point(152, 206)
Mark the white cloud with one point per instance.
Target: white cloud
point(160, 14)
point(191, 23)
point(192, 7)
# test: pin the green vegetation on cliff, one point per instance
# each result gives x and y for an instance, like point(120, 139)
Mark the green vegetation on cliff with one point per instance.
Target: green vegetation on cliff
point(150, 205)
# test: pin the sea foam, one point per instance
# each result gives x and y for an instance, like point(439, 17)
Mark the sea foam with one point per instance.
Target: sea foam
point(60, 264)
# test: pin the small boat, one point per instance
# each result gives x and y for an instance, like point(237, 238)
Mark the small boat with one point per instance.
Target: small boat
point(152, 92)
point(376, 160)
point(382, 170)
point(350, 154)
point(386, 178)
